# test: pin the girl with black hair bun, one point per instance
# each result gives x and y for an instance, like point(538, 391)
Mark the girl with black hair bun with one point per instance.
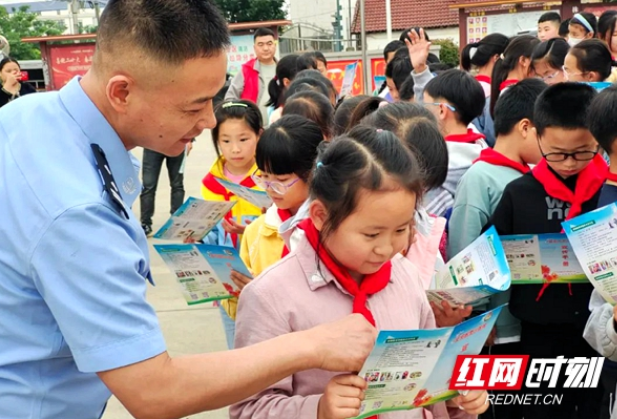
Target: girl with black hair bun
point(482, 56)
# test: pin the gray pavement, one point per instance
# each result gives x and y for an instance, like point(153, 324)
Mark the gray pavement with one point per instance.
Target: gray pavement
point(188, 330)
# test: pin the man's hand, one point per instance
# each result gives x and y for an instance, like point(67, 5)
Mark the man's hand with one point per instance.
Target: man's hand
point(342, 398)
point(419, 49)
point(445, 315)
point(343, 345)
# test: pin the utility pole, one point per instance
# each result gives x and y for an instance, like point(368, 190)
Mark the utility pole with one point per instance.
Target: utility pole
point(74, 8)
point(337, 27)
point(349, 24)
point(97, 12)
point(365, 64)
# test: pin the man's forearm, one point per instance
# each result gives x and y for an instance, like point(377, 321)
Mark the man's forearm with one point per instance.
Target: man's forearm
point(187, 385)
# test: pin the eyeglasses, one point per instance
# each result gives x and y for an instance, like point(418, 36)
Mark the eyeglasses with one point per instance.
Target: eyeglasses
point(568, 74)
point(550, 76)
point(277, 187)
point(452, 108)
point(577, 155)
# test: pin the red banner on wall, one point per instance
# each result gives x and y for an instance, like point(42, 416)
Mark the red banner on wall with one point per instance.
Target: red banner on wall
point(68, 61)
point(336, 73)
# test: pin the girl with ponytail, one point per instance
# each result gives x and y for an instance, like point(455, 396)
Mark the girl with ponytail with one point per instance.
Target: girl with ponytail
point(513, 66)
point(481, 56)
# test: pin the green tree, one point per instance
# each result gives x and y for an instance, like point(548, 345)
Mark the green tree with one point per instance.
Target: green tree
point(449, 51)
point(23, 23)
point(252, 10)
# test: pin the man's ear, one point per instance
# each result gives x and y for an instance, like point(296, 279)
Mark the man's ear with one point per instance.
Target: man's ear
point(318, 214)
point(118, 89)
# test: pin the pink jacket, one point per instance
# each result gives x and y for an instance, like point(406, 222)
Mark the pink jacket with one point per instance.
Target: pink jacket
point(295, 295)
point(424, 251)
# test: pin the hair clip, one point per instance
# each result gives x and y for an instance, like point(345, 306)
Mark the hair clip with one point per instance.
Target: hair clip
point(318, 165)
point(233, 104)
point(382, 104)
point(379, 130)
point(503, 57)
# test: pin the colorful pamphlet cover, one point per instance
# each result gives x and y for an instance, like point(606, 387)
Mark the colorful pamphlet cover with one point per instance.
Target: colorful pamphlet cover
point(412, 369)
point(479, 271)
point(203, 271)
point(539, 258)
point(593, 236)
point(194, 219)
point(258, 198)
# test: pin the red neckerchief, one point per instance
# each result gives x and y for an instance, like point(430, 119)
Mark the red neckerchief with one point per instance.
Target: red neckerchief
point(482, 77)
point(284, 215)
point(495, 158)
point(210, 183)
point(469, 138)
point(507, 83)
point(589, 181)
point(371, 284)
point(612, 177)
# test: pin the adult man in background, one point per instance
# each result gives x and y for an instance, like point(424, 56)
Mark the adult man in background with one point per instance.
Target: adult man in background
point(251, 82)
point(74, 261)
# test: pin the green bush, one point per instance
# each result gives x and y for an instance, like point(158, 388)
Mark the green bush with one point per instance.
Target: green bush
point(449, 51)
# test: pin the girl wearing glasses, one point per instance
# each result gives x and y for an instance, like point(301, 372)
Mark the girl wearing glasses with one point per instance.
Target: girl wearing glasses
point(588, 61)
point(286, 153)
point(548, 59)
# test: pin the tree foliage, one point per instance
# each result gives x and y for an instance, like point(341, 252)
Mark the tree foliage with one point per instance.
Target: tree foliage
point(236, 11)
point(449, 51)
point(23, 23)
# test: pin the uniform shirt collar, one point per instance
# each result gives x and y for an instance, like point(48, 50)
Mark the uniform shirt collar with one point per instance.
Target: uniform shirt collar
point(94, 125)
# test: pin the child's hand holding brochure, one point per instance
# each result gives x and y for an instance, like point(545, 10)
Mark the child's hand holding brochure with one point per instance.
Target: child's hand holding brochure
point(412, 369)
point(203, 271)
point(479, 271)
point(194, 219)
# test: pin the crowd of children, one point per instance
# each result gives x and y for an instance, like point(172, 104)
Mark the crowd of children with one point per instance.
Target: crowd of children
point(371, 194)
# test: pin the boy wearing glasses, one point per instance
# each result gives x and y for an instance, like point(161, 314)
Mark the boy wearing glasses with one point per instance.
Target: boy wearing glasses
point(567, 182)
point(455, 98)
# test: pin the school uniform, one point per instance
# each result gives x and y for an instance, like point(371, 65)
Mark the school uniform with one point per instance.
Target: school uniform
point(297, 294)
point(600, 331)
point(552, 316)
point(463, 150)
point(243, 212)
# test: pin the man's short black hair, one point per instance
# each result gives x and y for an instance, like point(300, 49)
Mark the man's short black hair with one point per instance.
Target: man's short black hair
point(263, 32)
point(516, 104)
point(563, 105)
point(392, 46)
point(170, 31)
point(601, 118)
point(550, 17)
point(406, 92)
point(564, 28)
point(462, 90)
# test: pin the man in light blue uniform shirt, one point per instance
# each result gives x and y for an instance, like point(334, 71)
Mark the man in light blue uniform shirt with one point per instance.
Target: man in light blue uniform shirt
point(75, 325)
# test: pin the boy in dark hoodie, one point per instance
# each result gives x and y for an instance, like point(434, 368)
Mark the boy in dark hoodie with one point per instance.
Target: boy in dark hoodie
point(566, 183)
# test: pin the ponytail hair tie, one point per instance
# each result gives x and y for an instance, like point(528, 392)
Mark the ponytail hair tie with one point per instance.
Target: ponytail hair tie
point(379, 130)
point(503, 57)
point(382, 104)
point(319, 164)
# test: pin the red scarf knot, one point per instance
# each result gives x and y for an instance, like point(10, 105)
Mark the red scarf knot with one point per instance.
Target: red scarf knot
point(284, 215)
point(507, 83)
point(370, 284)
point(588, 183)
